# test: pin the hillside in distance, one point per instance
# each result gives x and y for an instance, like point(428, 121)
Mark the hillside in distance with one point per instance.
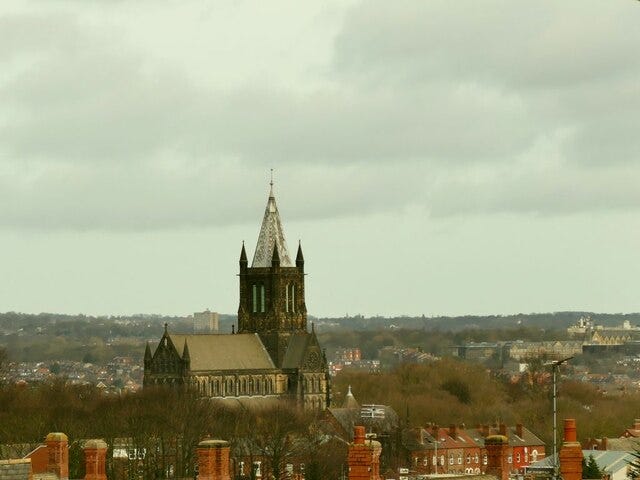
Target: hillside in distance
point(49, 337)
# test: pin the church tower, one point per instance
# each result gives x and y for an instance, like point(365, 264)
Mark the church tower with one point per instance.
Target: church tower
point(272, 289)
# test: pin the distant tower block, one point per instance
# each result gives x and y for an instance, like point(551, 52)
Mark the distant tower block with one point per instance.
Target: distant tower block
point(206, 322)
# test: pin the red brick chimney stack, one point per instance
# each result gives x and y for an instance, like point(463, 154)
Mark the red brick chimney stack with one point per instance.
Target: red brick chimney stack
point(453, 431)
point(95, 457)
point(570, 453)
point(58, 450)
point(497, 447)
point(213, 460)
point(636, 424)
point(519, 431)
point(364, 457)
point(503, 430)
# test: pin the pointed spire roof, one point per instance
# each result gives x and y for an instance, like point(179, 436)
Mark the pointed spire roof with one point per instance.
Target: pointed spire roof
point(350, 401)
point(275, 258)
point(185, 351)
point(299, 256)
point(243, 254)
point(147, 352)
point(271, 233)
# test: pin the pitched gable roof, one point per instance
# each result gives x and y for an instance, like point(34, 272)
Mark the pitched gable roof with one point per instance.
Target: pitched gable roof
point(224, 352)
point(296, 349)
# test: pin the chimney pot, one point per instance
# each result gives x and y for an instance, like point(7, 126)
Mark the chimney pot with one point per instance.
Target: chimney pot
point(570, 430)
point(570, 453)
point(364, 457)
point(58, 449)
point(213, 460)
point(95, 457)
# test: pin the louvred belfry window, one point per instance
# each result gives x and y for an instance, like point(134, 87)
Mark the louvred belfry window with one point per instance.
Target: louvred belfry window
point(254, 291)
point(290, 298)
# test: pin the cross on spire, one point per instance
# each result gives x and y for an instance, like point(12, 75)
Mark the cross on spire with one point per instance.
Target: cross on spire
point(271, 184)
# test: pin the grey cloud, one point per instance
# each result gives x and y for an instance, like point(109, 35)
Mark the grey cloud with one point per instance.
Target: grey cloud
point(540, 44)
point(430, 105)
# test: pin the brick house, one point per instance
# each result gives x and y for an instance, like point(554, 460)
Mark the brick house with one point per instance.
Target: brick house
point(524, 447)
point(435, 449)
point(457, 450)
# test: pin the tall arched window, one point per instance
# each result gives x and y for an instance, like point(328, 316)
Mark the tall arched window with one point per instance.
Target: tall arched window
point(290, 297)
point(286, 298)
point(258, 303)
point(254, 298)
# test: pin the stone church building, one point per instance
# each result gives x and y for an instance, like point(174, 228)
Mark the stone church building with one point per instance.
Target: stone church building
point(272, 355)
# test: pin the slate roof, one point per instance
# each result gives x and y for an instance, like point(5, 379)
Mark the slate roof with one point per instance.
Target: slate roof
point(528, 438)
point(347, 418)
point(609, 461)
point(271, 233)
point(19, 469)
point(294, 356)
point(224, 352)
point(629, 444)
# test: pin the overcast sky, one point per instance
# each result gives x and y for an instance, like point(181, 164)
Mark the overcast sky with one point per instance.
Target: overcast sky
point(434, 157)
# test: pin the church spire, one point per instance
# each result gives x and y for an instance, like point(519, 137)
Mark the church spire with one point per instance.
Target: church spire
point(185, 352)
point(299, 256)
point(271, 233)
point(275, 258)
point(147, 357)
point(272, 288)
point(243, 257)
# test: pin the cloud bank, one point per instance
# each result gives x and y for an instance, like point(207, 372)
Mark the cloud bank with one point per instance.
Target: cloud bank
point(137, 117)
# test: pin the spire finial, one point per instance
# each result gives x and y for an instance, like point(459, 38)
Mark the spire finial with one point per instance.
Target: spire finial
point(271, 184)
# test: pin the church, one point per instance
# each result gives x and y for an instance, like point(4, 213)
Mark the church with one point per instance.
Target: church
point(272, 355)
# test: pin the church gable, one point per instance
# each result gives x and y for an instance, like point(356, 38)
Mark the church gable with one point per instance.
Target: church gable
point(304, 353)
point(166, 359)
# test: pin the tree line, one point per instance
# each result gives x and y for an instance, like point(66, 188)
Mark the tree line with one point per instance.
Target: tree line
point(451, 391)
point(156, 431)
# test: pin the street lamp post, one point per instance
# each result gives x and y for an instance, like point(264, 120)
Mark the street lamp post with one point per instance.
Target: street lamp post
point(554, 370)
